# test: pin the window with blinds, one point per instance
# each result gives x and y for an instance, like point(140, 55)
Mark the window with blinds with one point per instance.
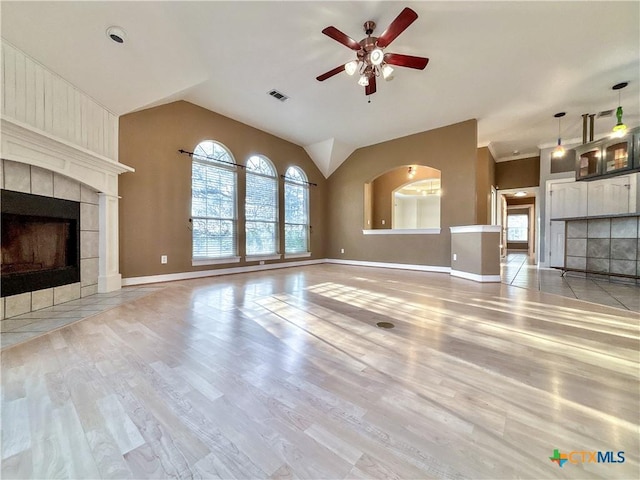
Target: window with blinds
point(261, 207)
point(517, 227)
point(213, 202)
point(296, 211)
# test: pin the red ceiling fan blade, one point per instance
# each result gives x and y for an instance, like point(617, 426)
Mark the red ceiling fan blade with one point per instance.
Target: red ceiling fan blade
point(371, 88)
point(406, 60)
point(330, 73)
point(401, 22)
point(342, 38)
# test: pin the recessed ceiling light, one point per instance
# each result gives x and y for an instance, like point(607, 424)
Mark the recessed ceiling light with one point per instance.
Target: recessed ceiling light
point(520, 194)
point(116, 34)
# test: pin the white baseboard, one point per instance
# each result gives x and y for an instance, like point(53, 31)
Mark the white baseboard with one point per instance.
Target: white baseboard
point(476, 277)
point(402, 266)
point(171, 277)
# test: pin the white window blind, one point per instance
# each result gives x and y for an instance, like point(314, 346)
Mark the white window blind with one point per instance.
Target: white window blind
point(213, 202)
point(296, 211)
point(261, 207)
point(517, 227)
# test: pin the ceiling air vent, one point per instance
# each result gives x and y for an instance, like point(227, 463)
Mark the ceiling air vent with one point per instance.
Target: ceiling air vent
point(605, 113)
point(278, 96)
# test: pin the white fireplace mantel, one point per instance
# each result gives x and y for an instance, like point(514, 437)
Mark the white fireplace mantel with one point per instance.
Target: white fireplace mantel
point(26, 144)
point(49, 123)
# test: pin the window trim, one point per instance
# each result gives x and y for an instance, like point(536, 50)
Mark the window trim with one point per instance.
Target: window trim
point(303, 183)
point(257, 258)
point(198, 261)
point(275, 222)
point(230, 167)
point(297, 255)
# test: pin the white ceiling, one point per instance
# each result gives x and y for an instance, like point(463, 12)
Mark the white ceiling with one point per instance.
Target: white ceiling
point(511, 65)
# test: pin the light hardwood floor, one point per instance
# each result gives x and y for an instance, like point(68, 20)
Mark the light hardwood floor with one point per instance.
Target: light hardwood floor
point(283, 374)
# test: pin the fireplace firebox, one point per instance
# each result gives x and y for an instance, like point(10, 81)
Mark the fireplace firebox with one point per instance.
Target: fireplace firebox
point(40, 242)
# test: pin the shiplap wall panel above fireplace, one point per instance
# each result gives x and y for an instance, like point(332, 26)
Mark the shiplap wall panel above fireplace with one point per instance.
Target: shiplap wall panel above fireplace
point(58, 132)
point(38, 97)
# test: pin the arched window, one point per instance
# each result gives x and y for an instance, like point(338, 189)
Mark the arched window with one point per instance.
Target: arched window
point(213, 203)
point(261, 207)
point(296, 211)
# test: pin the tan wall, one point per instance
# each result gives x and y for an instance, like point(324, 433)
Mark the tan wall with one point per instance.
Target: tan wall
point(518, 173)
point(451, 149)
point(518, 211)
point(485, 179)
point(476, 252)
point(521, 201)
point(382, 191)
point(156, 200)
point(564, 164)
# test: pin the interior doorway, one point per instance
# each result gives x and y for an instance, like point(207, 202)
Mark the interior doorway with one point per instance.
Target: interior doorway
point(518, 215)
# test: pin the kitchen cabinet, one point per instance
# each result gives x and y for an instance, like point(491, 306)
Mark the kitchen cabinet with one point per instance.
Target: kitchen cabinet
point(568, 200)
point(610, 196)
point(608, 156)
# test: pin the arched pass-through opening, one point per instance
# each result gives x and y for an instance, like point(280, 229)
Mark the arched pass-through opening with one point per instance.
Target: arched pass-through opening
point(405, 198)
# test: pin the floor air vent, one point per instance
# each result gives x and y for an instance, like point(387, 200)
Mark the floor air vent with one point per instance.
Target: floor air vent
point(385, 325)
point(278, 96)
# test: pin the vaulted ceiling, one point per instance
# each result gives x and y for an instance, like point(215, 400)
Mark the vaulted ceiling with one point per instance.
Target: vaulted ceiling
point(511, 65)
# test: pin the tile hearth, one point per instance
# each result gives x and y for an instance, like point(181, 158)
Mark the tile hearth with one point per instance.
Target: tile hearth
point(24, 327)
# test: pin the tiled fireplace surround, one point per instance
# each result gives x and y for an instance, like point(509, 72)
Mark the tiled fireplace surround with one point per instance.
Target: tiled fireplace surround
point(57, 141)
point(21, 177)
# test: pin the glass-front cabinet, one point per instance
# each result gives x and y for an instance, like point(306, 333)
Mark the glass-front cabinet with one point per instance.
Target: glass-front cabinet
point(608, 156)
point(617, 155)
point(588, 162)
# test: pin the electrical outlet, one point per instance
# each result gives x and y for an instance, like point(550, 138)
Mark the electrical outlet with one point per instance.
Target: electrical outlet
point(261, 262)
point(163, 259)
point(455, 257)
point(383, 222)
point(342, 250)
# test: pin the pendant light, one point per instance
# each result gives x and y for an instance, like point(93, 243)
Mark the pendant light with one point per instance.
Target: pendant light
point(620, 129)
point(558, 152)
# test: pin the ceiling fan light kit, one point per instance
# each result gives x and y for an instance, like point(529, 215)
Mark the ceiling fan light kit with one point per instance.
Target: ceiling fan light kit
point(371, 60)
point(351, 67)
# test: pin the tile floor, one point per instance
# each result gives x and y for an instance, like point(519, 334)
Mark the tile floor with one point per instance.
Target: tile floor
point(517, 270)
point(30, 325)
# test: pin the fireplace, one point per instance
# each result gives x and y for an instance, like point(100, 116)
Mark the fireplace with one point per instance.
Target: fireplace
point(40, 242)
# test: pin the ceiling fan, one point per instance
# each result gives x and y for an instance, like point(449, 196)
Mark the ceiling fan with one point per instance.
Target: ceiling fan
point(372, 61)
